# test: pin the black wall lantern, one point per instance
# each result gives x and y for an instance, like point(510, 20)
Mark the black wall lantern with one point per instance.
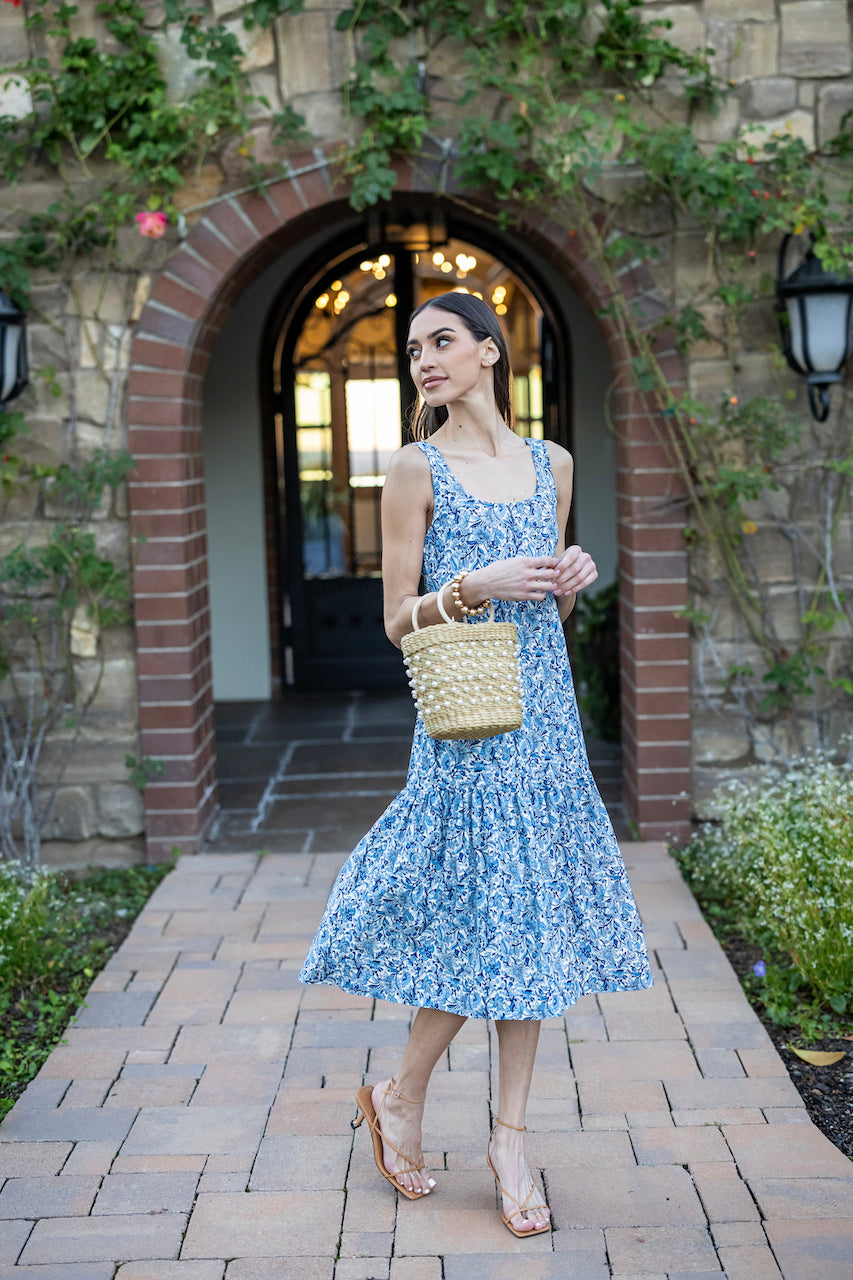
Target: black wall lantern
point(13, 351)
point(816, 309)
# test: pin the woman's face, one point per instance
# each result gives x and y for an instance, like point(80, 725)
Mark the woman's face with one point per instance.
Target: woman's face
point(445, 358)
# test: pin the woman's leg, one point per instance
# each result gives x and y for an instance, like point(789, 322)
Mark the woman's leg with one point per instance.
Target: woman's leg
point(517, 1043)
point(400, 1121)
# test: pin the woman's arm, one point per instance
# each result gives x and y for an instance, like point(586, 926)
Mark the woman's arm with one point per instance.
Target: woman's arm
point(575, 567)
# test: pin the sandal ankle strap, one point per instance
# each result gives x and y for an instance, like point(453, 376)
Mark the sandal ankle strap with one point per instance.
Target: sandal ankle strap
point(517, 1128)
point(395, 1093)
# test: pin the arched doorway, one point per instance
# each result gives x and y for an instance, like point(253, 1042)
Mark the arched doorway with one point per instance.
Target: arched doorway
point(188, 310)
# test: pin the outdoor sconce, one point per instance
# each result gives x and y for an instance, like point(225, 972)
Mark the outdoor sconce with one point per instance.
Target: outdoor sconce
point(815, 317)
point(13, 351)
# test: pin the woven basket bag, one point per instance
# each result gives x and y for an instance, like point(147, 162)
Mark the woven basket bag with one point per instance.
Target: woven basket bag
point(464, 675)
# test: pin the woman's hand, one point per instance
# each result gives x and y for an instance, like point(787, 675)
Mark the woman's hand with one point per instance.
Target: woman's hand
point(522, 578)
point(575, 570)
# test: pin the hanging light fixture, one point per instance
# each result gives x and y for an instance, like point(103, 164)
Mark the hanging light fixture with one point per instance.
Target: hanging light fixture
point(815, 311)
point(14, 374)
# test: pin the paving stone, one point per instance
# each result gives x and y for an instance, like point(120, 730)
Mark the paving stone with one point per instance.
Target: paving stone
point(663, 1249)
point(703, 1094)
point(724, 1195)
point(762, 1062)
point(74, 1124)
point(87, 1093)
point(32, 1159)
point(264, 1225)
point(604, 1122)
point(195, 1130)
point(803, 1197)
point(679, 1146)
point(795, 1151)
point(302, 1163)
point(418, 1269)
point(309, 1118)
point(162, 1164)
point(472, 1228)
point(91, 1157)
point(61, 1271)
point(649, 1119)
point(224, 1182)
point(270, 1269)
point(720, 1064)
point(67, 1064)
point(662, 1059)
point(171, 1271)
point(814, 1249)
point(334, 1035)
point(173, 1091)
point(362, 1268)
point(254, 1083)
point(666, 1025)
point(718, 1116)
point(247, 1044)
point(621, 1095)
point(370, 1205)
point(105, 1239)
point(786, 1115)
point(43, 1093)
point(252, 1007)
point(115, 1009)
point(47, 1197)
point(13, 1236)
point(603, 1196)
point(738, 1233)
point(146, 1193)
point(738, 1033)
point(750, 1262)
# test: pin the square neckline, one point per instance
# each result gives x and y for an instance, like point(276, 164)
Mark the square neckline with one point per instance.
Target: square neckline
point(515, 502)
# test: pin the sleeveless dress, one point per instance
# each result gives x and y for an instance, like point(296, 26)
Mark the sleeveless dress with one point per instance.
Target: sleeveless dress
point(492, 886)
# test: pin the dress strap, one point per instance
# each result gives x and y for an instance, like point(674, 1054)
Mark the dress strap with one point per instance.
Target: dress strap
point(542, 463)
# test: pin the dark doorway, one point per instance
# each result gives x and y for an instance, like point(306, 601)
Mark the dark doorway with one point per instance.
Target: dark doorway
point(342, 395)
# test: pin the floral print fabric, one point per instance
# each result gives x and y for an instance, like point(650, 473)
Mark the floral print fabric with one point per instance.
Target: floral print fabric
point(492, 886)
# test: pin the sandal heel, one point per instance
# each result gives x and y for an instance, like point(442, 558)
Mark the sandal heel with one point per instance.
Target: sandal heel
point(359, 1116)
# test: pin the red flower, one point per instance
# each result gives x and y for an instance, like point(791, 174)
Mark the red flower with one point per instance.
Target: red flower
point(16, 3)
point(152, 224)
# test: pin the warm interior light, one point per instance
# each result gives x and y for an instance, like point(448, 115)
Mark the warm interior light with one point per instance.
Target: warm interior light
point(438, 257)
point(391, 300)
point(499, 294)
point(379, 274)
point(366, 266)
point(336, 285)
point(500, 309)
point(322, 301)
point(446, 267)
point(384, 261)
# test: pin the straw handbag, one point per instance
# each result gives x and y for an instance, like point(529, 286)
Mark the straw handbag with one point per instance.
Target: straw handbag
point(464, 675)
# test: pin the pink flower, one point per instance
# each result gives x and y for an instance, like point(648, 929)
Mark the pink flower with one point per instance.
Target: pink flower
point(151, 224)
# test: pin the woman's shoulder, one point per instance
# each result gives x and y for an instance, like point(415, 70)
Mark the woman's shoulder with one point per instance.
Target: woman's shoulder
point(562, 462)
point(409, 465)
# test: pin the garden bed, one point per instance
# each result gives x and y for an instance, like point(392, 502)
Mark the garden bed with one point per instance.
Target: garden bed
point(56, 934)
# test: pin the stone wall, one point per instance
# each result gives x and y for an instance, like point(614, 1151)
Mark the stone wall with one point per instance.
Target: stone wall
point(789, 68)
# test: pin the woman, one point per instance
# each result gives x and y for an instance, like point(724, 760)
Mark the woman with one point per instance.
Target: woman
point(492, 886)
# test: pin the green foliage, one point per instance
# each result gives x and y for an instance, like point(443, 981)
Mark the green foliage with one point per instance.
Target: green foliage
point(142, 771)
point(56, 933)
point(779, 868)
point(597, 660)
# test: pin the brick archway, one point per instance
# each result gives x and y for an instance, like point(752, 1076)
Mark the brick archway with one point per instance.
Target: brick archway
point(188, 305)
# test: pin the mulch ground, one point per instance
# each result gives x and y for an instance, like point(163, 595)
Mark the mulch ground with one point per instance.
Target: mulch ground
point(826, 1091)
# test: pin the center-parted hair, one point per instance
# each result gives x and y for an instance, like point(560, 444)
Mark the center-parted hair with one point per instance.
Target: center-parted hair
point(481, 322)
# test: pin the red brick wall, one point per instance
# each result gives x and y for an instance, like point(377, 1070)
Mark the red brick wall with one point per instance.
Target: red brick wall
point(189, 303)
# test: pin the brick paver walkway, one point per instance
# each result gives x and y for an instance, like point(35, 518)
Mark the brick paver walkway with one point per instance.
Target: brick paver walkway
point(195, 1124)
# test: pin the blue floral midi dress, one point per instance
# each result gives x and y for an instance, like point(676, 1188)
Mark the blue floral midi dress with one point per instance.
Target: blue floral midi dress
point(492, 886)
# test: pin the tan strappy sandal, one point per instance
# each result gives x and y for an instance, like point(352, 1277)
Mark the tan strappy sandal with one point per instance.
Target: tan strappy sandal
point(526, 1207)
point(364, 1102)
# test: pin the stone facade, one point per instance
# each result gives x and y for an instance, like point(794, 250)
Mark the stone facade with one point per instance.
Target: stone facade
point(132, 349)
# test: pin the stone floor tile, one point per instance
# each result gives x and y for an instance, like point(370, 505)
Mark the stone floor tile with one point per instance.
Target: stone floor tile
point(717, 1115)
point(815, 1249)
point(632, 1060)
point(417, 1269)
point(43, 1093)
point(724, 1194)
point(171, 1271)
point(73, 1124)
point(160, 1164)
point(302, 1163)
point(252, 1007)
point(195, 1130)
point(91, 1157)
point(491, 1266)
point(697, 933)
point(105, 1239)
point(224, 1182)
point(254, 1083)
point(662, 1249)
point(738, 1233)
point(621, 1095)
point(366, 1244)
point(786, 1115)
point(47, 1197)
point(702, 1094)
point(271, 1269)
point(67, 1064)
point(803, 1197)
point(146, 1193)
point(607, 1196)
point(60, 1271)
point(720, 1064)
point(781, 1151)
point(664, 1025)
point(115, 1009)
point(13, 1236)
point(245, 1044)
point(264, 1225)
point(173, 1091)
point(751, 1262)
point(87, 1093)
point(231, 1163)
point(679, 1146)
point(310, 1118)
point(616, 1120)
point(649, 1119)
point(370, 1208)
point(362, 1268)
point(762, 1062)
point(709, 1032)
point(32, 1159)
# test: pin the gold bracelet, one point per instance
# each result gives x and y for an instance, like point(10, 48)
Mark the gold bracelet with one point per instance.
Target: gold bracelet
point(458, 579)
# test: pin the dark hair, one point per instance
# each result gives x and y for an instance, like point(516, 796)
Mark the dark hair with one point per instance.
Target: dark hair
point(481, 322)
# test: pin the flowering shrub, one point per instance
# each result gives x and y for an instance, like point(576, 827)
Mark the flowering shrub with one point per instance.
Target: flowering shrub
point(151, 224)
point(782, 862)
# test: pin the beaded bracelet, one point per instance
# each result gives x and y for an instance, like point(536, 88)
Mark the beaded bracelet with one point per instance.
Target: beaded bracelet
point(458, 579)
